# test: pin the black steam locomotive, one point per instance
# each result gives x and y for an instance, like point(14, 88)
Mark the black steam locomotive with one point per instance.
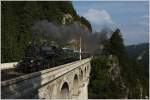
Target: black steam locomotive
point(42, 57)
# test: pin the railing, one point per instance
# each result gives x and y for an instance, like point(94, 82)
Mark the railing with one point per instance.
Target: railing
point(21, 86)
point(8, 65)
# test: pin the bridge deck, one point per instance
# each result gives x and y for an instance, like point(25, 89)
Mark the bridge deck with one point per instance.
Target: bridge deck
point(30, 85)
point(10, 73)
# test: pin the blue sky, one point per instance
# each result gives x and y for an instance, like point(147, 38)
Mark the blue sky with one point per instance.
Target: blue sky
point(131, 17)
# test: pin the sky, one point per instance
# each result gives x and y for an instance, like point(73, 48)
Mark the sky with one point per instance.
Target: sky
point(131, 17)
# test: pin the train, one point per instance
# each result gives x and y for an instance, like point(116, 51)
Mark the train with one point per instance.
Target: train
point(43, 57)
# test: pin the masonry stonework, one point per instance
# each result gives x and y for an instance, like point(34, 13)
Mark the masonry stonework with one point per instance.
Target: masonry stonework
point(62, 82)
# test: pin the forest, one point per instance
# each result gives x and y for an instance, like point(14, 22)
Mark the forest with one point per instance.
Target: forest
point(114, 73)
point(18, 19)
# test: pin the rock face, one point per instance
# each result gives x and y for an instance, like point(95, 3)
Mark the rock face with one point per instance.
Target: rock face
point(114, 70)
point(67, 18)
point(114, 74)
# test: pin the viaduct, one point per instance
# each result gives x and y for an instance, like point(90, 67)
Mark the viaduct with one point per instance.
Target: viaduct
point(68, 81)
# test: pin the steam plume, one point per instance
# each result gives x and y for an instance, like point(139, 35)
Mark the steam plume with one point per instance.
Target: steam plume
point(70, 34)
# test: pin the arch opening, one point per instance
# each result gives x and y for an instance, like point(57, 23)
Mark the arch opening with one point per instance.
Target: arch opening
point(88, 67)
point(81, 74)
point(64, 93)
point(75, 85)
point(85, 72)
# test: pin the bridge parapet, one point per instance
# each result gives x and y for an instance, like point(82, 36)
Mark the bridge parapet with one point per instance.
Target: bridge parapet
point(8, 65)
point(63, 81)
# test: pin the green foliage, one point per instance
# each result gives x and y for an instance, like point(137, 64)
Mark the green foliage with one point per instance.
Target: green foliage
point(132, 72)
point(116, 44)
point(97, 77)
point(101, 86)
point(134, 51)
point(85, 22)
point(18, 19)
point(140, 67)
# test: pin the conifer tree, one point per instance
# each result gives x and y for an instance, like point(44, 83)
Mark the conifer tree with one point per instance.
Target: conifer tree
point(116, 43)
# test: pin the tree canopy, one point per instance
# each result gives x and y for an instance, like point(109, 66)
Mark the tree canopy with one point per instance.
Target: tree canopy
point(18, 18)
point(132, 74)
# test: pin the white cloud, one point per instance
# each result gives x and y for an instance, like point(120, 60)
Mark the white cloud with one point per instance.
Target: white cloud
point(145, 16)
point(143, 23)
point(144, 20)
point(98, 17)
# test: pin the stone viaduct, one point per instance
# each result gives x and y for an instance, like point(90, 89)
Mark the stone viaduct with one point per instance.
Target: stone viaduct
point(67, 81)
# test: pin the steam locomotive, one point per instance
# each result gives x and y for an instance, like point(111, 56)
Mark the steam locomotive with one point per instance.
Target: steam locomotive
point(42, 57)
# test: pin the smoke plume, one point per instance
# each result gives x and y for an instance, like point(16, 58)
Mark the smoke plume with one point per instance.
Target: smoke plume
point(70, 34)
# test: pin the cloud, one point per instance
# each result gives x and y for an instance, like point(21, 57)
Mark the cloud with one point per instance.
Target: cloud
point(145, 16)
point(132, 37)
point(143, 21)
point(98, 17)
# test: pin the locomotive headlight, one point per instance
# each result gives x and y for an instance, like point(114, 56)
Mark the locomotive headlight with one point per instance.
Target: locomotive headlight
point(31, 61)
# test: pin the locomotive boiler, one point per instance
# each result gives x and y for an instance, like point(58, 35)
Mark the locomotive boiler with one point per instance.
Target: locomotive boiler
point(42, 57)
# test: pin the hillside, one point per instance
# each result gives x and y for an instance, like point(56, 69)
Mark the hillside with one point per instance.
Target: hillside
point(140, 53)
point(18, 19)
point(135, 50)
point(116, 74)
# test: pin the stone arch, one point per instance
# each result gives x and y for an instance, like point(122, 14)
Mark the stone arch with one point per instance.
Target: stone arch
point(81, 74)
point(87, 67)
point(64, 92)
point(75, 85)
point(85, 70)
